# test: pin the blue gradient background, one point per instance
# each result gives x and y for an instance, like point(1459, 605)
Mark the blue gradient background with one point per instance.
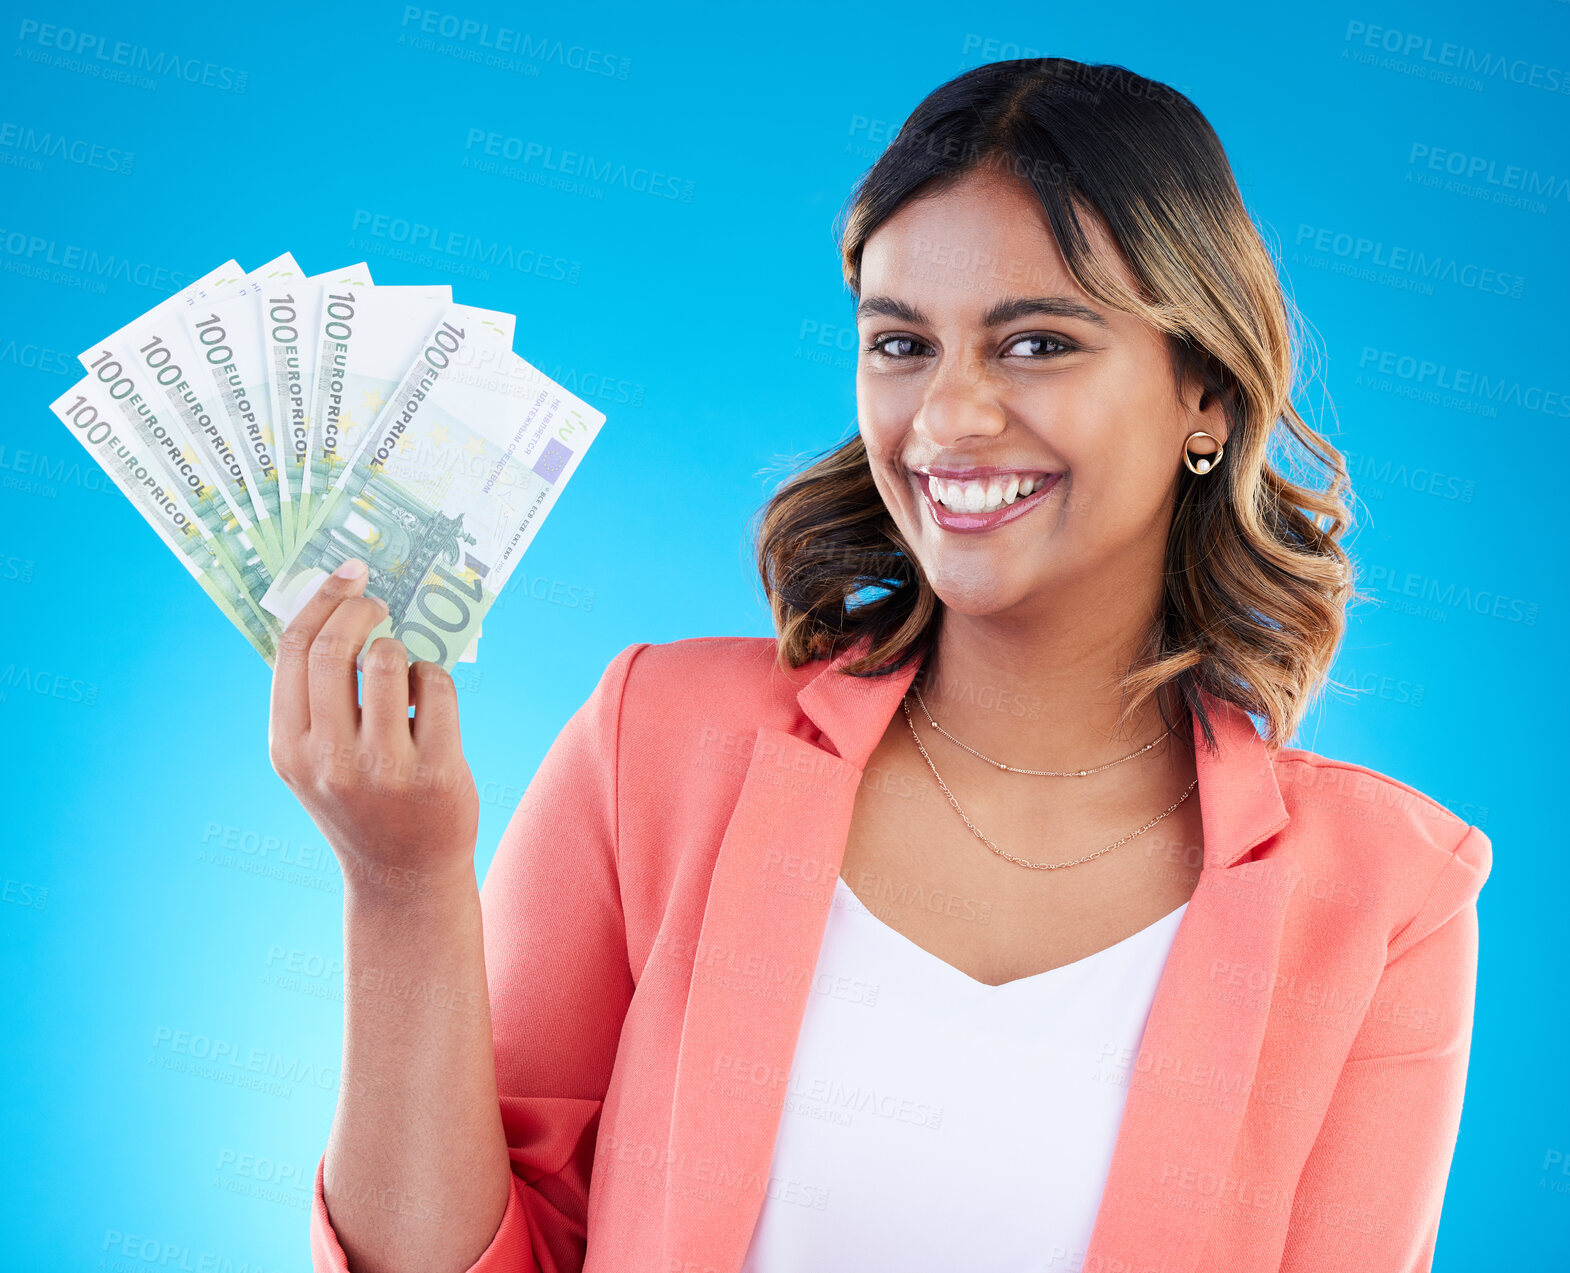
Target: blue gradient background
point(706, 330)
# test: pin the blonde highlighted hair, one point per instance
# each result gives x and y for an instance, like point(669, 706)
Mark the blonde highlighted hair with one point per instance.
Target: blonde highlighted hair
point(1256, 583)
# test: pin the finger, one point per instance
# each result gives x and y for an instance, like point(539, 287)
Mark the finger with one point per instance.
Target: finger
point(435, 700)
point(291, 710)
point(384, 692)
point(335, 711)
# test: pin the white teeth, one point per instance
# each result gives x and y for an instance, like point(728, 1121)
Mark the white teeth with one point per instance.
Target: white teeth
point(983, 497)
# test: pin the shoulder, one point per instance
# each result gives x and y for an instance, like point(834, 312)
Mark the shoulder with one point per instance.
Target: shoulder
point(714, 659)
point(1361, 799)
point(1379, 843)
point(685, 690)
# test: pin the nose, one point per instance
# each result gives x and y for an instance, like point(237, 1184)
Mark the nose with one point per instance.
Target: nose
point(959, 403)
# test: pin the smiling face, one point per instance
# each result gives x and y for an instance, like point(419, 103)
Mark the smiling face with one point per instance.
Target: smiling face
point(981, 357)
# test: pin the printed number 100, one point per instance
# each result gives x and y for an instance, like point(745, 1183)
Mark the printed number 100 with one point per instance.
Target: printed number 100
point(444, 608)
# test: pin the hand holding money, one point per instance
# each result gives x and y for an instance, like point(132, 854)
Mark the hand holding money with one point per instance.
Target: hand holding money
point(271, 427)
point(393, 796)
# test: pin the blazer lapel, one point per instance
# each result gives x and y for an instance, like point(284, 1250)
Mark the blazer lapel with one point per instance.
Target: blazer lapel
point(763, 925)
point(1189, 1085)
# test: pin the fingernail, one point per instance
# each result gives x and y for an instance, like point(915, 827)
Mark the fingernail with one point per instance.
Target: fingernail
point(351, 569)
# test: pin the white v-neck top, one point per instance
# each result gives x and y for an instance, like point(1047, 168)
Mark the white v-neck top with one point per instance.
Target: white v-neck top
point(934, 1122)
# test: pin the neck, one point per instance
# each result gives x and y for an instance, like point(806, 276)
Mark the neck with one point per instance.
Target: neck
point(1042, 696)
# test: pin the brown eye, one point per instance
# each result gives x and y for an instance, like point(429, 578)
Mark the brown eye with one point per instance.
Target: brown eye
point(1057, 346)
point(880, 345)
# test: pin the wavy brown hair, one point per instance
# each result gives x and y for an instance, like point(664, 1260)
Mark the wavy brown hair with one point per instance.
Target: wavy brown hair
point(1256, 584)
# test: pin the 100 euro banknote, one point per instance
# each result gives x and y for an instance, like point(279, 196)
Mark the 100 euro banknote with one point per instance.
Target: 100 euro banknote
point(364, 343)
point(447, 489)
point(135, 382)
point(99, 415)
point(291, 317)
point(224, 336)
point(159, 346)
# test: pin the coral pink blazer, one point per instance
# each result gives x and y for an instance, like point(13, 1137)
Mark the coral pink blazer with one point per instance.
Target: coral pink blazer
point(652, 923)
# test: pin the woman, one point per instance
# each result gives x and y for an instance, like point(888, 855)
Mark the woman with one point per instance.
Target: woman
point(971, 922)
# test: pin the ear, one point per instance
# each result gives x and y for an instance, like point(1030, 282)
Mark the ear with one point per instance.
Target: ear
point(1204, 398)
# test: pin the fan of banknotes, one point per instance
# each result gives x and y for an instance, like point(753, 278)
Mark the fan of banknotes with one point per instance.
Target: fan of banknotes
point(270, 426)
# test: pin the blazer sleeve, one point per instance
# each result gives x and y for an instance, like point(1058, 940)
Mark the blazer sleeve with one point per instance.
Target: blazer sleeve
point(1371, 1189)
point(559, 982)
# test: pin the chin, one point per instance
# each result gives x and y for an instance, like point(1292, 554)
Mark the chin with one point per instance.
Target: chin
point(971, 589)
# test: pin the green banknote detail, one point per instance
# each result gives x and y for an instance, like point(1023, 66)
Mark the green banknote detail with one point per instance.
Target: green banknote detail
point(90, 418)
point(447, 490)
point(240, 388)
point(221, 330)
point(185, 435)
point(163, 436)
point(291, 317)
point(366, 339)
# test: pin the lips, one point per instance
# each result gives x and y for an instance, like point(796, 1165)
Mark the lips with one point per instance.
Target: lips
point(970, 523)
point(974, 473)
point(986, 495)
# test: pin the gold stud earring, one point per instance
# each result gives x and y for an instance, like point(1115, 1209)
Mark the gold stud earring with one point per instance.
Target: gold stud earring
point(1205, 462)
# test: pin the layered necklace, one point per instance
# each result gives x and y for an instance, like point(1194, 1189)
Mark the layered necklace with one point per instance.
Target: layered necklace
point(1039, 773)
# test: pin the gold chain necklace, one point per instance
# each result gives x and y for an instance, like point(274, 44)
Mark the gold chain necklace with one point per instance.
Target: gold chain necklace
point(1039, 773)
point(1034, 866)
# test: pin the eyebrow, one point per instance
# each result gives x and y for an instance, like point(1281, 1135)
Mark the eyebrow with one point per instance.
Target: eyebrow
point(1005, 311)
